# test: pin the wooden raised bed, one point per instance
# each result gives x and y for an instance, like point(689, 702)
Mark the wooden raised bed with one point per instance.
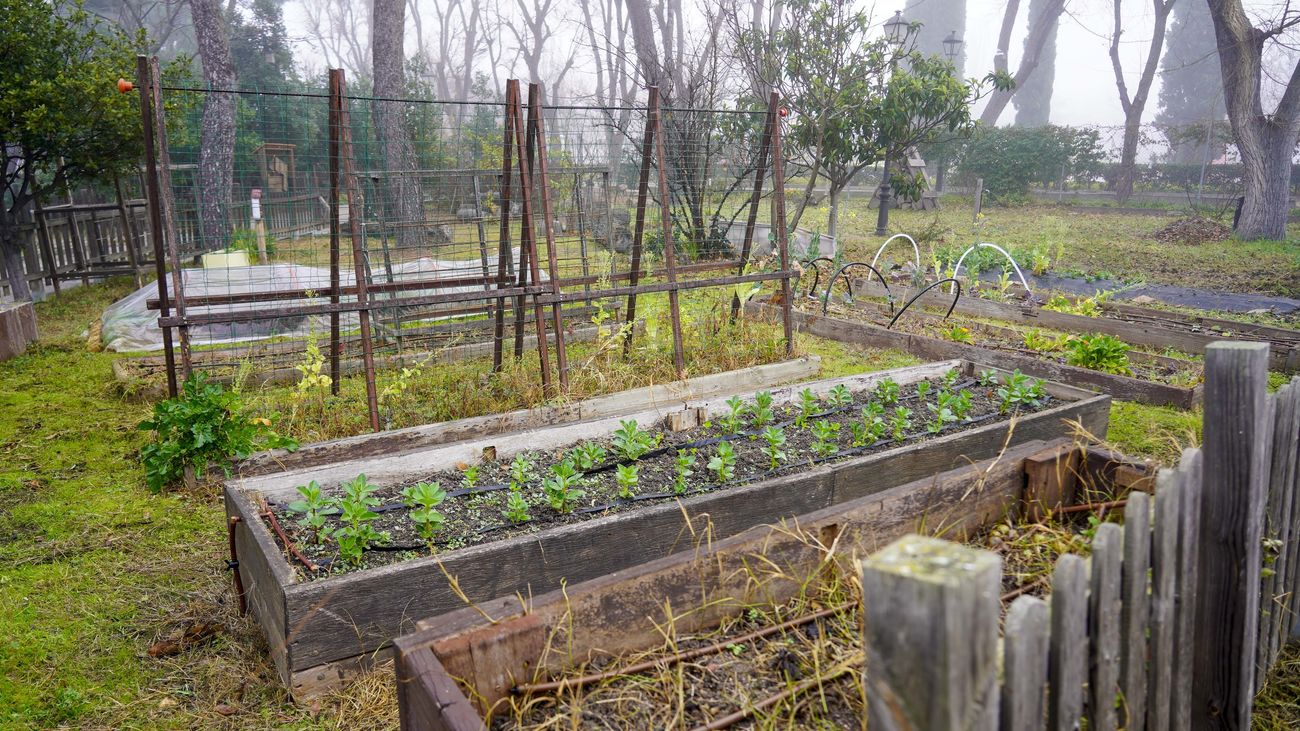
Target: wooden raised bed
point(320, 631)
point(1130, 323)
point(500, 643)
point(923, 346)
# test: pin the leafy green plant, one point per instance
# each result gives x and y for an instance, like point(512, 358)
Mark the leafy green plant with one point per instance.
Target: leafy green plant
point(314, 507)
point(900, 423)
point(839, 396)
point(587, 455)
point(922, 390)
point(808, 405)
point(943, 416)
point(469, 476)
point(888, 392)
point(1103, 353)
point(826, 438)
point(762, 410)
point(421, 498)
point(1020, 390)
point(988, 378)
point(950, 377)
point(959, 334)
point(562, 491)
point(355, 533)
point(734, 420)
point(1039, 342)
point(516, 507)
point(682, 469)
point(869, 430)
point(204, 425)
point(774, 438)
point(630, 441)
point(1039, 262)
point(626, 477)
point(723, 463)
point(521, 470)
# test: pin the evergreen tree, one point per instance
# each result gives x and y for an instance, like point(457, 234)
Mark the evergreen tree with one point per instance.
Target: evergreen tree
point(1190, 82)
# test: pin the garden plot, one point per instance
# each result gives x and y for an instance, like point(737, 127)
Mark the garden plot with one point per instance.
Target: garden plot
point(336, 568)
point(760, 625)
point(1144, 326)
point(1144, 377)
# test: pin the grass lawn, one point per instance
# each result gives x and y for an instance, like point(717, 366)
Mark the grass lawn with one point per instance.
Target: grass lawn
point(94, 569)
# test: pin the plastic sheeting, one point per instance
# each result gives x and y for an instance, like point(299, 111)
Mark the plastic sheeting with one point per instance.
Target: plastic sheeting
point(129, 326)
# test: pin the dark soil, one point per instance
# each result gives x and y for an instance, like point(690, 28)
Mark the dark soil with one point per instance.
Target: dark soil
point(1192, 231)
point(475, 514)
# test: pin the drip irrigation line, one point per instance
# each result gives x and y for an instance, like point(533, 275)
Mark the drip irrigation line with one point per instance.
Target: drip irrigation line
point(915, 297)
point(826, 297)
point(817, 273)
point(667, 662)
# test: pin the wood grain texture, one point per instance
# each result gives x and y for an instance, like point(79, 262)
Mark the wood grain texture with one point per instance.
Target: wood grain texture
point(1164, 576)
point(1104, 627)
point(1067, 668)
point(1292, 579)
point(1135, 610)
point(1025, 653)
point(1235, 471)
point(931, 636)
point(1180, 706)
point(1278, 529)
point(430, 700)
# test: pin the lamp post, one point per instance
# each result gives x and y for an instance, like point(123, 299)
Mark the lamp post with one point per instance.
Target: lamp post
point(952, 49)
point(898, 31)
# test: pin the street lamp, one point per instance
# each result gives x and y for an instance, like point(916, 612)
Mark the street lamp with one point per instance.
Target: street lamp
point(952, 49)
point(899, 32)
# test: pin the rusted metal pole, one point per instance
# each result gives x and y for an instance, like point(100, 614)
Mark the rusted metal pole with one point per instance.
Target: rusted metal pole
point(43, 236)
point(128, 230)
point(529, 242)
point(358, 263)
point(538, 129)
point(335, 105)
point(638, 231)
point(778, 222)
point(503, 232)
point(168, 212)
point(666, 228)
point(752, 220)
point(147, 100)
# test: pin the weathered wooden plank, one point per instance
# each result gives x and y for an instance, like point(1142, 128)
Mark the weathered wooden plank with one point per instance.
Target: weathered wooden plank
point(263, 573)
point(1025, 652)
point(1067, 669)
point(1292, 580)
point(1104, 627)
point(1232, 503)
point(931, 636)
point(1164, 573)
point(1135, 609)
point(1050, 483)
point(1189, 470)
point(428, 435)
point(428, 697)
point(860, 333)
point(1278, 528)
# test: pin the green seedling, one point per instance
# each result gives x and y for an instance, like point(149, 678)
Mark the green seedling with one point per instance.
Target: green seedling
point(774, 437)
point(723, 463)
point(356, 534)
point(631, 442)
point(469, 477)
point(422, 498)
point(1103, 353)
point(950, 377)
point(517, 507)
point(826, 438)
point(839, 396)
point(521, 470)
point(733, 421)
point(587, 455)
point(314, 507)
point(943, 416)
point(808, 405)
point(1020, 390)
point(922, 390)
point(562, 491)
point(762, 411)
point(682, 469)
point(988, 378)
point(626, 477)
point(888, 392)
point(900, 423)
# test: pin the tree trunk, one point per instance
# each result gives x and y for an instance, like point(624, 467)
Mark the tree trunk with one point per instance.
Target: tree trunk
point(833, 218)
point(400, 187)
point(217, 146)
point(1128, 158)
point(1034, 43)
point(1268, 187)
point(12, 254)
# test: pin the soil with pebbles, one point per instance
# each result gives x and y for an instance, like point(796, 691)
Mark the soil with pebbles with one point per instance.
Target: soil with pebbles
point(476, 514)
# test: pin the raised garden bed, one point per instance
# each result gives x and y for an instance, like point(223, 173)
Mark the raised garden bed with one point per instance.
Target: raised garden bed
point(920, 336)
point(517, 667)
point(322, 624)
point(1158, 329)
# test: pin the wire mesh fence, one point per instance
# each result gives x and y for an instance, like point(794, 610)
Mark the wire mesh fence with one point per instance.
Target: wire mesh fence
point(366, 234)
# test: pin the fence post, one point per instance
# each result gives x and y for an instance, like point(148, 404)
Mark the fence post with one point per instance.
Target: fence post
point(1025, 648)
point(931, 636)
point(1235, 471)
point(1067, 663)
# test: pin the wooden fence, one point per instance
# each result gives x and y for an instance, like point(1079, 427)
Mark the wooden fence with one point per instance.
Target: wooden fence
point(85, 241)
point(1173, 622)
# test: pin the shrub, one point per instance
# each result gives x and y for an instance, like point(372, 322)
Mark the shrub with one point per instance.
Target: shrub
point(204, 425)
point(1010, 159)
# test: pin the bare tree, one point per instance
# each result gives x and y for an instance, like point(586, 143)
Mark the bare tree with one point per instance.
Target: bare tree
point(533, 33)
point(1035, 42)
point(217, 146)
point(1266, 141)
point(1136, 103)
point(166, 23)
point(457, 44)
point(401, 189)
point(339, 30)
point(615, 84)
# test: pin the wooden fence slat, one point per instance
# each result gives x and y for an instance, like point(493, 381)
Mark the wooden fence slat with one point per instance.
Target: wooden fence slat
point(1234, 474)
point(1291, 582)
point(1273, 612)
point(1025, 647)
point(1068, 656)
point(1185, 590)
point(1135, 609)
point(931, 636)
point(1164, 570)
point(1104, 626)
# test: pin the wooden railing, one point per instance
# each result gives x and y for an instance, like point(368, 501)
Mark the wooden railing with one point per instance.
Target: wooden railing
point(1172, 623)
